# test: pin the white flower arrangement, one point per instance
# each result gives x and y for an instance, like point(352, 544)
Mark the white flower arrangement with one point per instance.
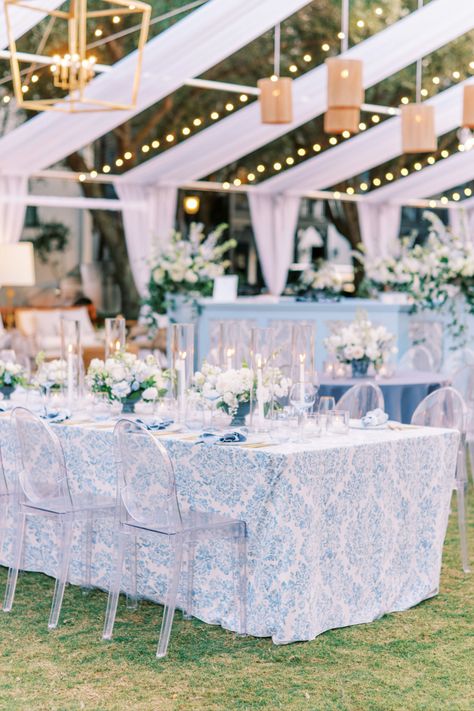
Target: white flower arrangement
point(11, 374)
point(324, 278)
point(361, 341)
point(187, 266)
point(432, 275)
point(51, 374)
point(234, 387)
point(125, 377)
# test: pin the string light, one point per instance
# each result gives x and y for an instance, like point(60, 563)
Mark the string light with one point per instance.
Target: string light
point(119, 162)
point(444, 153)
point(293, 68)
point(251, 177)
point(350, 191)
point(226, 185)
point(405, 100)
point(389, 176)
point(341, 35)
point(377, 182)
point(229, 107)
point(106, 168)
point(243, 98)
point(418, 166)
point(98, 32)
point(290, 160)
point(115, 19)
point(82, 177)
point(261, 168)
point(424, 92)
point(301, 152)
point(237, 182)
point(378, 11)
point(155, 144)
point(214, 116)
point(277, 166)
point(169, 138)
point(375, 118)
point(346, 134)
point(467, 192)
point(456, 75)
point(316, 147)
point(198, 121)
point(444, 200)
point(362, 126)
point(432, 203)
point(145, 148)
point(364, 186)
point(333, 141)
point(456, 197)
point(325, 47)
point(6, 99)
point(404, 172)
point(431, 160)
point(360, 23)
point(34, 78)
point(93, 174)
point(186, 131)
point(307, 57)
point(435, 80)
point(336, 195)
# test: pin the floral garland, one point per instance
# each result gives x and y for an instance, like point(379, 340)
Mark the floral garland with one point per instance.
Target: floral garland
point(434, 275)
point(186, 266)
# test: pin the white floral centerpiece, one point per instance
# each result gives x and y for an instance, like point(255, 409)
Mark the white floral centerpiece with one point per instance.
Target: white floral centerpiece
point(234, 388)
point(51, 374)
point(186, 268)
point(127, 379)
point(361, 344)
point(437, 276)
point(325, 278)
point(11, 375)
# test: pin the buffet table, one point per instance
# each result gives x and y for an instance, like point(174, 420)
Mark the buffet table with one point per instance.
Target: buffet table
point(402, 393)
point(341, 531)
point(265, 311)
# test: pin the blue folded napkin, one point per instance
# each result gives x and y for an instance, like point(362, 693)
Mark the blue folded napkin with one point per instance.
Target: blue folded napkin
point(374, 418)
point(56, 416)
point(226, 438)
point(156, 425)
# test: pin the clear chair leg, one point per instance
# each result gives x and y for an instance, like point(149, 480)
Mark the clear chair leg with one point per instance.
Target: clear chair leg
point(63, 569)
point(471, 459)
point(87, 553)
point(171, 595)
point(190, 555)
point(241, 582)
point(462, 518)
point(114, 590)
point(132, 596)
point(16, 563)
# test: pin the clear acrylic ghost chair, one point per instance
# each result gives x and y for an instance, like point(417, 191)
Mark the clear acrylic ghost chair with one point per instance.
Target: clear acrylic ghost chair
point(417, 358)
point(7, 498)
point(360, 399)
point(446, 408)
point(148, 507)
point(463, 381)
point(44, 491)
point(458, 359)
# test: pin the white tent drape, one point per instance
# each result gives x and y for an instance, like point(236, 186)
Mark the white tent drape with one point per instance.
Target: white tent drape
point(147, 228)
point(380, 229)
point(274, 222)
point(12, 214)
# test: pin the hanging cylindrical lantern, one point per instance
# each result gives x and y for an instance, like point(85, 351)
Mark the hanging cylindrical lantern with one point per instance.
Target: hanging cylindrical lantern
point(276, 104)
point(468, 107)
point(345, 87)
point(339, 120)
point(418, 128)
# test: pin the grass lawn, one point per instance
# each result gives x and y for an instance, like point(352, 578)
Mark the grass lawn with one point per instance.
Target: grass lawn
point(419, 659)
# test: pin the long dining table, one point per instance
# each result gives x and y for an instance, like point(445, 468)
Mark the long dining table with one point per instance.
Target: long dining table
point(341, 530)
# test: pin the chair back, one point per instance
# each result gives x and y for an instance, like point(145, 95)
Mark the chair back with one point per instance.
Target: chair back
point(146, 480)
point(458, 359)
point(444, 407)
point(360, 399)
point(42, 470)
point(463, 382)
point(417, 358)
point(3, 479)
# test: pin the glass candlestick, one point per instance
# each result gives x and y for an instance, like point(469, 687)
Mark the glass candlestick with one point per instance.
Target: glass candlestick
point(181, 363)
point(262, 357)
point(71, 353)
point(115, 336)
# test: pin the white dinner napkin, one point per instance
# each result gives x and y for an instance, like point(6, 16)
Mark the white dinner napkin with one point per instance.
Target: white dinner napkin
point(374, 418)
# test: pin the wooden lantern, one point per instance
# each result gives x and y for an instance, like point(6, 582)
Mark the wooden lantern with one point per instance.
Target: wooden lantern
point(340, 120)
point(468, 107)
point(345, 88)
point(276, 103)
point(418, 128)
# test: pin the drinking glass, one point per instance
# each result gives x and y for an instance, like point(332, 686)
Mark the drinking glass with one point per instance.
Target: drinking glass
point(302, 397)
point(212, 397)
point(326, 403)
point(337, 422)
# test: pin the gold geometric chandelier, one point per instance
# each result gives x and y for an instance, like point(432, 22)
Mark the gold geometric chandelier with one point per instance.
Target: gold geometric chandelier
point(72, 70)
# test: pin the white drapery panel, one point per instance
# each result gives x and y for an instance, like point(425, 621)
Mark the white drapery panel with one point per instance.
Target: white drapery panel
point(146, 228)
point(380, 229)
point(12, 214)
point(23, 19)
point(187, 49)
point(274, 222)
point(385, 53)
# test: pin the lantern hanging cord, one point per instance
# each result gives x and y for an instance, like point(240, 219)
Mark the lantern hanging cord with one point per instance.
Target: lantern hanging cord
point(419, 68)
point(277, 50)
point(345, 26)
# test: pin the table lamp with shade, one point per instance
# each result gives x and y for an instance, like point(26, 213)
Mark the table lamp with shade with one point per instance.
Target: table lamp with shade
point(17, 268)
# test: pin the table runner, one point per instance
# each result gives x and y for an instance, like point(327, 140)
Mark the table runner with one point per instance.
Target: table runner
point(341, 531)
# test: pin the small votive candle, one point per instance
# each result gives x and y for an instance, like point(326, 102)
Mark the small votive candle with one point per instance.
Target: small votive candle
point(339, 370)
point(337, 421)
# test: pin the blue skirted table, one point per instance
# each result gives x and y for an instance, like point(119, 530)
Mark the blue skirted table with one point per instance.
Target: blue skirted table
point(402, 393)
point(340, 531)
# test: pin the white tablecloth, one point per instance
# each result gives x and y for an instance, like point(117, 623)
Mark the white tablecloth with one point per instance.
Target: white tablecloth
point(402, 393)
point(341, 531)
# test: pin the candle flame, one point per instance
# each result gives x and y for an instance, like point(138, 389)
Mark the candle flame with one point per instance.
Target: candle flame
point(302, 357)
point(117, 345)
point(70, 348)
point(182, 355)
point(230, 352)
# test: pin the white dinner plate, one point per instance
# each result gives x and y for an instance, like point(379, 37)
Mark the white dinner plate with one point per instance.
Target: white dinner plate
point(357, 425)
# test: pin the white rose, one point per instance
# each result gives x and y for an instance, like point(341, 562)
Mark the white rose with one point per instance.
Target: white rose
point(150, 394)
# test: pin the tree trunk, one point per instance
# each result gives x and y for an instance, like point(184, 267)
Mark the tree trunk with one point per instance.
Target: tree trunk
point(110, 229)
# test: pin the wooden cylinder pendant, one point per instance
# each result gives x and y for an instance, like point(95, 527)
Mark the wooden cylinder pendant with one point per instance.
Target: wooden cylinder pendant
point(418, 128)
point(345, 85)
point(276, 102)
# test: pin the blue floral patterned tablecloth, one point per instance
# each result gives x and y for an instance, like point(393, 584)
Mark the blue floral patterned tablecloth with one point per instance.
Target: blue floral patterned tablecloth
point(341, 531)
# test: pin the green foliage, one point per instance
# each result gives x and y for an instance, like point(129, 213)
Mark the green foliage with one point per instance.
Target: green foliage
point(53, 237)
